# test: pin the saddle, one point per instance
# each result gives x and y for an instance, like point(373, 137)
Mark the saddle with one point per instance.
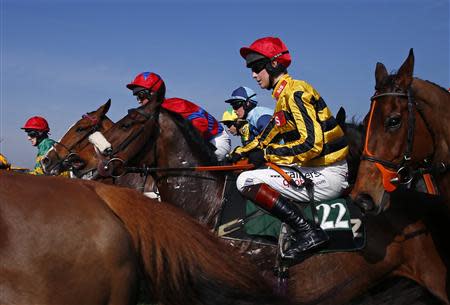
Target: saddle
point(240, 219)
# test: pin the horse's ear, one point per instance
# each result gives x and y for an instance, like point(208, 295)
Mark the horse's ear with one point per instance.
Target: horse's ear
point(340, 117)
point(405, 73)
point(103, 109)
point(380, 75)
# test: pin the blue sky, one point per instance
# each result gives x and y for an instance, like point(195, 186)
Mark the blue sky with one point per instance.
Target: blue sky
point(60, 59)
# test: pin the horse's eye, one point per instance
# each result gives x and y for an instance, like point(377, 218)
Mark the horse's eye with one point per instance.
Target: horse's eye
point(125, 125)
point(80, 129)
point(394, 122)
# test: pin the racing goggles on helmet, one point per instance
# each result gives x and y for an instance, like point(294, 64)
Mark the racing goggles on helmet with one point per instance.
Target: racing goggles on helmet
point(259, 65)
point(33, 133)
point(237, 104)
point(143, 94)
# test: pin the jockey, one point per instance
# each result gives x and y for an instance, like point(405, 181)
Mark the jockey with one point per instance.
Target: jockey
point(147, 84)
point(37, 130)
point(236, 126)
point(312, 143)
point(245, 105)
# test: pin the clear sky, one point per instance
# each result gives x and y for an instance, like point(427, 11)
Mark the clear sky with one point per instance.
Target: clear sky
point(62, 58)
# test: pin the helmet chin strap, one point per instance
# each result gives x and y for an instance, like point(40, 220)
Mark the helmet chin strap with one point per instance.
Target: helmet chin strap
point(273, 72)
point(41, 137)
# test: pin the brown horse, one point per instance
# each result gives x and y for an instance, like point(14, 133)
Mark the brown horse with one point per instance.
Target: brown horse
point(396, 245)
point(69, 241)
point(407, 136)
point(63, 156)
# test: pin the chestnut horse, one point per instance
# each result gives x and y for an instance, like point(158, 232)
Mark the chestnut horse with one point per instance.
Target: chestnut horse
point(70, 241)
point(63, 155)
point(395, 246)
point(407, 135)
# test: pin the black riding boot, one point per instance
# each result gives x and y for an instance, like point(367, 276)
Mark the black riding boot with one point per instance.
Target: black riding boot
point(307, 236)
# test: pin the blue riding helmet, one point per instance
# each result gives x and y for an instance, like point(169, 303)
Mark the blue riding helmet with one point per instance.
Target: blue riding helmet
point(243, 94)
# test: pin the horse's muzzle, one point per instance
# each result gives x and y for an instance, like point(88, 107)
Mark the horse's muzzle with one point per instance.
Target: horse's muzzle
point(365, 202)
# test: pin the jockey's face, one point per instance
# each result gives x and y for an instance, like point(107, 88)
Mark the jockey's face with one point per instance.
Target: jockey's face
point(232, 129)
point(32, 136)
point(143, 97)
point(32, 140)
point(240, 112)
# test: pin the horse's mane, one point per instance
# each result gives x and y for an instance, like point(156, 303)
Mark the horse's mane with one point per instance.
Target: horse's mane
point(438, 86)
point(194, 138)
point(185, 263)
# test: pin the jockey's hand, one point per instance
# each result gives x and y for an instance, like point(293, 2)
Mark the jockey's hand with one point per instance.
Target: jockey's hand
point(256, 157)
point(234, 157)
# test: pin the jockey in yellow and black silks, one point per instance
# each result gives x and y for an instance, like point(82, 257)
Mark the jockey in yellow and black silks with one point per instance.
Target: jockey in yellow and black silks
point(302, 136)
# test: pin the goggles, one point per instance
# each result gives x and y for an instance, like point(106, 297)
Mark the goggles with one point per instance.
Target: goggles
point(229, 124)
point(33, 133)
point(143, 94)
point(237, 105)
point(238, 123)
point(258, 66)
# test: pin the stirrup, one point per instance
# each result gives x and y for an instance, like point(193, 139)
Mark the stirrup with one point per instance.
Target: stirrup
point(284, 241)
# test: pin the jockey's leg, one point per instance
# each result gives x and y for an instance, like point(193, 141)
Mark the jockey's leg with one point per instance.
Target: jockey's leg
point(269, 190)
point(307, 236)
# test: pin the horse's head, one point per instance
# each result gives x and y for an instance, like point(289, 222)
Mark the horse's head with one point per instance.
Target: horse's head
point(120, 144)
point(63, 156)
point(397, 138)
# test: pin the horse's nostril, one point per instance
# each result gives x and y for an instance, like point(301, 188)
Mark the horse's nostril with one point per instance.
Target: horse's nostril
point(45, 161)
point(365, 202)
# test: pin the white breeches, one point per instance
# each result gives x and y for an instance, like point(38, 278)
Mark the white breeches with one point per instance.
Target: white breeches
point(329, 181)
point(222, 142)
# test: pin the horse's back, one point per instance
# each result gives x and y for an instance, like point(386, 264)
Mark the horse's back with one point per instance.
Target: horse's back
point(60, 244)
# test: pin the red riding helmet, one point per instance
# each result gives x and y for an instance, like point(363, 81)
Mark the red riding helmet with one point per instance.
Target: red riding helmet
point(270, 47)
point(36, 123)
point(148, 80)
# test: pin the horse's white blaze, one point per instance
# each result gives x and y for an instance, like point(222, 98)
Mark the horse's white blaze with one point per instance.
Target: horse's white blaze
point(99, 141)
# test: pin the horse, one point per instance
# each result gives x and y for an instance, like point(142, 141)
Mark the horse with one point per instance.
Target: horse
point(72, 241)
point(63, 155)
point(407, 136)
point(397, 243)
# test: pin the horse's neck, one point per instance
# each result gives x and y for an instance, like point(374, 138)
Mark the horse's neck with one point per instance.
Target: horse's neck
point(198, 193)
point(436, 110)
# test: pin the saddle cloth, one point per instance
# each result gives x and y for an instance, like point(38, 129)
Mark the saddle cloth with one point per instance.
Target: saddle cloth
point(241, 219)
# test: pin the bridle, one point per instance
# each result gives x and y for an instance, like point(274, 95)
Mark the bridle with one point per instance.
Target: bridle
point(403, 172)
point(393, 172)
point(111, 154)
point(65, 161)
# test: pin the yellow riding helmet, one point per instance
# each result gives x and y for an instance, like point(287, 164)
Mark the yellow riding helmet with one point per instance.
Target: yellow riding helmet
point(229, 116)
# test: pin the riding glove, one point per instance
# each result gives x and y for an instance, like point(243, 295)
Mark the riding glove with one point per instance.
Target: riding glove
point(256, 157)
point(234, 157)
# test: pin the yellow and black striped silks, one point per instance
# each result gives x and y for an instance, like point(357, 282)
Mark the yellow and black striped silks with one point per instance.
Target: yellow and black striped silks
point(303, 124)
